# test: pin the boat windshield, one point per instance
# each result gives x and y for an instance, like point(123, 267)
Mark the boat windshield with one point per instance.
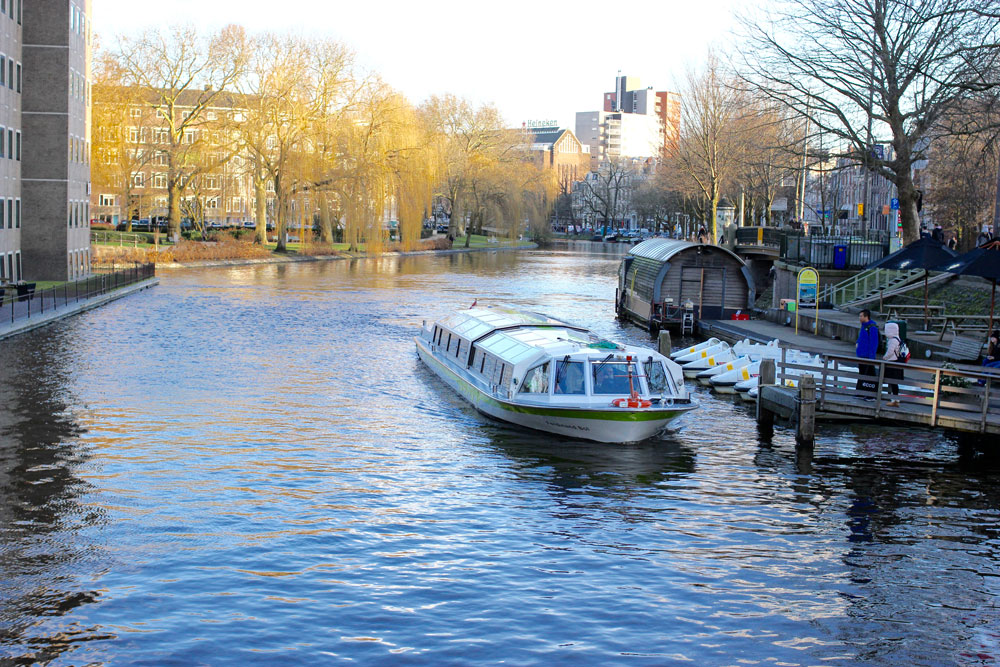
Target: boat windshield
point(656, 377)
point(611, 377)
point(569, 378)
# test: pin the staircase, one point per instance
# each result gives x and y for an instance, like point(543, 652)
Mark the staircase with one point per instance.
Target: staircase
point(870, 285)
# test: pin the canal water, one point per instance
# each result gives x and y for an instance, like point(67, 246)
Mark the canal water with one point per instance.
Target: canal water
point(250, 466)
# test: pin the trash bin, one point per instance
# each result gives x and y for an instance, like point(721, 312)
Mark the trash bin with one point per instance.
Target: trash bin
point(840, 257)
point(25, 291)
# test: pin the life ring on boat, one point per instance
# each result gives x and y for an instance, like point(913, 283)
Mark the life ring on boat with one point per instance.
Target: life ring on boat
point(631, 402)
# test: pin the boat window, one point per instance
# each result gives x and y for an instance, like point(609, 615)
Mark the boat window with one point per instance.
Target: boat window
point(448, 346)
point(611, 377)
point(536, 381)
point(569, 378)
point(482, 362)
point(656, 377)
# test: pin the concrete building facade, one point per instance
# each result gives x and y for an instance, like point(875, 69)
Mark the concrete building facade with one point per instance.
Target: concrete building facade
point(55, 156)
point(11, 75)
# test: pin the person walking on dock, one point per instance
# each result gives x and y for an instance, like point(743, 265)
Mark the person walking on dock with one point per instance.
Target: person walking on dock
point(867, 348)
point(893, 352)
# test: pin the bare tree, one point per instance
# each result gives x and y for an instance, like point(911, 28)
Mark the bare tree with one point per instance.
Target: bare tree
point(180, 75)
point(607, 192)
point(709, 147)
point(860, 69)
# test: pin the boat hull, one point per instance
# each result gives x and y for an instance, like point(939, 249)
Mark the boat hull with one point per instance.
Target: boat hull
point(609, 425)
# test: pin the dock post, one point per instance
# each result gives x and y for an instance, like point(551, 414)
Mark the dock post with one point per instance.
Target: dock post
point(768, 373)
point(664, 343)
point(805, 430)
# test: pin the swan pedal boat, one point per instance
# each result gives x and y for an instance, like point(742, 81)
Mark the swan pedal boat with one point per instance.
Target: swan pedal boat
point(541, 373)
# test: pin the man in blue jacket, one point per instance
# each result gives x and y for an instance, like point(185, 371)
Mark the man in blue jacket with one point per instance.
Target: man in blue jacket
point(867, 348)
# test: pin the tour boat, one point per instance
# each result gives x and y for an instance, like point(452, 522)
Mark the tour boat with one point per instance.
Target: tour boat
point(534, 371)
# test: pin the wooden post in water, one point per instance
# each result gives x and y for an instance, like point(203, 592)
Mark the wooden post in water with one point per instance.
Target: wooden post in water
point(664, 343)
point(805, 430)
point(768, 372)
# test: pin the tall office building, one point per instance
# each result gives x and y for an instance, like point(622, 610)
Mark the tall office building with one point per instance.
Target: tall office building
point(635, 122)
point(51, 138)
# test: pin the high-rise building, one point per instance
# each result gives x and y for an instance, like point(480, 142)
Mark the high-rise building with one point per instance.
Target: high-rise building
point(44, 139)
point(635, 122)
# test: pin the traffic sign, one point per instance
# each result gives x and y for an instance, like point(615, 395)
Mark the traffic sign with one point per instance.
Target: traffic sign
point(894, 204)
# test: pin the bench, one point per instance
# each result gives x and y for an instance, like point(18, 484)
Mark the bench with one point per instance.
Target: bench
point(964, 349)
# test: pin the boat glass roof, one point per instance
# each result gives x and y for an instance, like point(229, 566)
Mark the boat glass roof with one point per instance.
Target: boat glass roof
point(477, 322)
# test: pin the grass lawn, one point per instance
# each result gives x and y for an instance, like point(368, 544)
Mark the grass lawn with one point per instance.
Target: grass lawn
point(478, 241)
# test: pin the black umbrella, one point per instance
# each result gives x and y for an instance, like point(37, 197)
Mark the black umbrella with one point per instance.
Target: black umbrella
point(984, 262)
point(924, 253)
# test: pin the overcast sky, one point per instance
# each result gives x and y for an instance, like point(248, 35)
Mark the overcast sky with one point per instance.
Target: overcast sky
point(535, 60)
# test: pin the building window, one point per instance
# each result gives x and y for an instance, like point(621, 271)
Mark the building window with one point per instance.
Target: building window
point(3, 148)
point(160, 180)
point(3, 70)
point(135, 112)
point(17, 213)
point(10, 214)
point(19, 145)
point(106, 200)
point(10, 73)
point(19, 77)
point(137, 179)
point(18, 256)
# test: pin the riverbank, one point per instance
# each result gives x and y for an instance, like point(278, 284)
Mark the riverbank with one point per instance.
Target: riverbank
point(291, 259)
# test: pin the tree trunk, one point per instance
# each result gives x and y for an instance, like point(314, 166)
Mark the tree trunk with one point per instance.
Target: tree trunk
point(260, 206)
point(908, 215)
point(281, 215)
point(325, 221)
point(173, 208)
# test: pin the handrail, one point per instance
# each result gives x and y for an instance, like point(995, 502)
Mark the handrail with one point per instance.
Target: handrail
point(22, 302)
point(972, 404)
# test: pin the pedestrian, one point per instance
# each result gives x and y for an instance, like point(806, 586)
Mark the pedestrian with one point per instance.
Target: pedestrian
point(924, 234)
point(992, 358)
point(893, 352)
point(938, 234)
point(952, 242)
point(702, 235)
point(867, 348)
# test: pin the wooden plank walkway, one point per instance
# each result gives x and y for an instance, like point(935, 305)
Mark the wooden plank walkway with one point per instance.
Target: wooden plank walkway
point(967, 401)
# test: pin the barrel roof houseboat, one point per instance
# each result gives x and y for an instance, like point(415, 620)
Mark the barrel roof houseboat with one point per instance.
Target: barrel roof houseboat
point(659, 276)
point(534, 371)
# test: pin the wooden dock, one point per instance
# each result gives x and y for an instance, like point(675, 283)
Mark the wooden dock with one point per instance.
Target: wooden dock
point(959, 400)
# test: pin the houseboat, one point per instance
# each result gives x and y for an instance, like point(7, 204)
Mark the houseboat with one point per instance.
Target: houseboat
point(538, 372)
point(663, 283)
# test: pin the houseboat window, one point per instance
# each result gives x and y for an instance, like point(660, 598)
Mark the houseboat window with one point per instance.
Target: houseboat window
point(569, 378)
point(482, 362)
point(611, 377)
point(656, 378)
point(448, 346)
point(536, 381)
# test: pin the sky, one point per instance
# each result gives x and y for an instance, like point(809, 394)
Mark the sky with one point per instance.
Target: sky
point(541, 60)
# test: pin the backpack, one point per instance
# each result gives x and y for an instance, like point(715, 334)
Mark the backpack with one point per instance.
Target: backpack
point(903, 353)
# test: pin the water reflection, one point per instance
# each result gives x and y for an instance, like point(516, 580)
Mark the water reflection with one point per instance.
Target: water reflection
point(42, 553)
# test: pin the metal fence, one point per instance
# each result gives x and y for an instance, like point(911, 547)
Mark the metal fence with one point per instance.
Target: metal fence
point(826, 252)
point(23, 301)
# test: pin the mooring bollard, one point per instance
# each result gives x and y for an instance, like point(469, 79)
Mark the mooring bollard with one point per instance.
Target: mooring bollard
point(665, 344)
point(805, 431)
point(768, 373)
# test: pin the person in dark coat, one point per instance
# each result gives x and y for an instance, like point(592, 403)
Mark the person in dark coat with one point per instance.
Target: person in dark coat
point(867, 348)
point(992, 358)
